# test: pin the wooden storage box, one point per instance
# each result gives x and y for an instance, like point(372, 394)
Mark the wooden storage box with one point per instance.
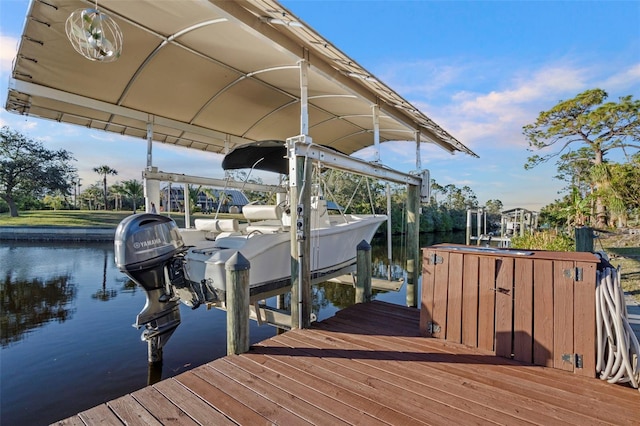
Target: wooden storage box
point(537, 307)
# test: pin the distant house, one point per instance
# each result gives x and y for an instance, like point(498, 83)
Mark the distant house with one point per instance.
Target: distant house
point(227, 198)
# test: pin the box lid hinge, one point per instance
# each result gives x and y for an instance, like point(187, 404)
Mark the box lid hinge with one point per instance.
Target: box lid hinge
point(432, 327)
point(574, 359)
point(573, 273)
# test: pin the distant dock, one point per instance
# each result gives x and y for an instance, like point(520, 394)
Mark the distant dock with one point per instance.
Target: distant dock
point(369, 365)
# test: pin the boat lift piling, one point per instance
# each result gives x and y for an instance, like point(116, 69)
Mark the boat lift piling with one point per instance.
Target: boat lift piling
point(363, 271)
point(237, 296)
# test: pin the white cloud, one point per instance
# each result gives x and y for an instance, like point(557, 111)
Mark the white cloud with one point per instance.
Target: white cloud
point(486, 104)
point(624, 80)
point(8, 49)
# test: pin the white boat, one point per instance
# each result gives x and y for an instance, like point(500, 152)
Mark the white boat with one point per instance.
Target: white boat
point(265, 241)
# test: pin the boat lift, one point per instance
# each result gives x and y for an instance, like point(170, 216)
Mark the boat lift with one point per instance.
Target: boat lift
point(514, 222)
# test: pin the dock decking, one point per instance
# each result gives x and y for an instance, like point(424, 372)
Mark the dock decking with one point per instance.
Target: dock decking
point(368, 365)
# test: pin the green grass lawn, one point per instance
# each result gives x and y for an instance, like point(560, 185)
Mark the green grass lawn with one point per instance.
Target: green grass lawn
point(64, 218)
point(88, 218)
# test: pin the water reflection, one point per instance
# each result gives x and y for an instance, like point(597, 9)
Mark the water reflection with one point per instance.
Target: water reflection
point(105, 294)
point(28, 304)
point(128, 285)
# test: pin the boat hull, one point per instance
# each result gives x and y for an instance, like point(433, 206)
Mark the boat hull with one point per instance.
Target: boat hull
point(269, 254)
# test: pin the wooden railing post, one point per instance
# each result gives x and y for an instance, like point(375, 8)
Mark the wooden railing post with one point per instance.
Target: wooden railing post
point(363, 271)
point(584, 239)
point(237, 268)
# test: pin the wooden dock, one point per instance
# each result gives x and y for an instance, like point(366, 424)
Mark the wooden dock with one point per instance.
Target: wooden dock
point(369, 365)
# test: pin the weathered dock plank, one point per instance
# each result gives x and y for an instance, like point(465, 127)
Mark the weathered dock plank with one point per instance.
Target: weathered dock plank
point(195, 407)
point(369, 365)
point(131, 412)
point(162, 407)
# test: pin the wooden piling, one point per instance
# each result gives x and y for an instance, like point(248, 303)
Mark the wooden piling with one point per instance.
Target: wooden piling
point(584, 239)
point(154, 350)
point(363, 265)
point(237, 268)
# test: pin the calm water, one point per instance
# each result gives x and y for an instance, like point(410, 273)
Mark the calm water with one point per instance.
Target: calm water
point(66, 340)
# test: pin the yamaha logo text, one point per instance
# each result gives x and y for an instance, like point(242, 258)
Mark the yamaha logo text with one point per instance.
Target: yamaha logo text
point(147, 243)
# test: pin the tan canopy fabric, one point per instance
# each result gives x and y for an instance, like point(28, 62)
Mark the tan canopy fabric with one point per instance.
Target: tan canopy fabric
point(208, 74)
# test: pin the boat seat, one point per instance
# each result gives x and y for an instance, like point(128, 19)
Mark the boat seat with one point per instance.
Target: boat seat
point(213, 228)
point(217, 225)
point(266, 228)
point(262, 212)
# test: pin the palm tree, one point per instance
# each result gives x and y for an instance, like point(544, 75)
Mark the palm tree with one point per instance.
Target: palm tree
point(90, 195)
point(193, 194)
point(133, 188)
point(105, 170)
point(210, 196)
point(118, 191)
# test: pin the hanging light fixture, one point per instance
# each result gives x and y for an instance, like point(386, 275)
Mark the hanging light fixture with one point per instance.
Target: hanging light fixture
point(94, 34)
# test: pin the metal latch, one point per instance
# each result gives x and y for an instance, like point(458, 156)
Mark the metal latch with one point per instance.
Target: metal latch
point(573, 273)
point(432, 327)
point(574, 359)
point(434, 259)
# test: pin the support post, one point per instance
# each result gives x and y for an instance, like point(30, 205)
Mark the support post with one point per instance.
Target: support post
point(413, 244)
point(389, 248)
point(237, 269)
point(479, 225)
point(376, 130)
point(300, 189)
point(154, 350)
point(363, 271)
point(187, 207)
point(151, 187)
point(167, 208)
point(584, 239)
point(468, 238)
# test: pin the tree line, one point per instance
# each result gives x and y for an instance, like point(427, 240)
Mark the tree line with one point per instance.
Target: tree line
point(585, 131)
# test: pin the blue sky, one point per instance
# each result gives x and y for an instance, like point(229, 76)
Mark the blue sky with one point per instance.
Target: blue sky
point(480, 69)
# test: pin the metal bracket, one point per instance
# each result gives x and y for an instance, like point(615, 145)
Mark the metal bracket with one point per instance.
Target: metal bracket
point(573, 273)
point(574, 359)
point(434, 259)
point(433, 328)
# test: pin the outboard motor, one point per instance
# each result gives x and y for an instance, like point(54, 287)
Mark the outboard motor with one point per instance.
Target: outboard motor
point(150, 250)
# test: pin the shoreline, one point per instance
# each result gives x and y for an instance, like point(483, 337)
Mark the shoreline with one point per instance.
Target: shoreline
point(56, 233)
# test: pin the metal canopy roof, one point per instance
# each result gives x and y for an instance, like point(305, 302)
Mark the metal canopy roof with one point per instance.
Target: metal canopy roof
point(205, 72)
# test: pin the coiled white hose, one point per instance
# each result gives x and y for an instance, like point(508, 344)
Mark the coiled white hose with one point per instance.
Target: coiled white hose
point(618, 350)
